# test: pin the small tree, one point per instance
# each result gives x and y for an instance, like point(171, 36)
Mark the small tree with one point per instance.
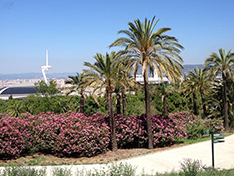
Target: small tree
point(163, 89)
point(78, 85)
point(100, 75)
point(198, 81)
point(222, 63)
point(45, 89)
point(10, 97)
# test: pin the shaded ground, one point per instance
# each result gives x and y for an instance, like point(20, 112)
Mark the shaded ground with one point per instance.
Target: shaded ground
point(108, 157)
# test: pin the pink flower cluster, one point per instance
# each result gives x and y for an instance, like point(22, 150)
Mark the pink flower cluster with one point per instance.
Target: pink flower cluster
point(185, 120)
point(132, 131)
point(62, 134)
point(13, 136)
point(165, 130)
point(76, 134)
point(214, 124)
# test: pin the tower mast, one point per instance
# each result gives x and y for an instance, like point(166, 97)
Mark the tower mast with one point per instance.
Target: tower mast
point(45, 68)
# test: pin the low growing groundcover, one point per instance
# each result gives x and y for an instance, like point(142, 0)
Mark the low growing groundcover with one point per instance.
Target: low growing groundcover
point(189, 167)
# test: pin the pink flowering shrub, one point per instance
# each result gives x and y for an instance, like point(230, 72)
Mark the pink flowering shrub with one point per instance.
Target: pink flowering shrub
point(183, 117)
point(64, 135)
point(165, 130)
point(44, 130)
point(191, 123)
point(214, 124)
point(194, 125)
point(132, 131)
point(82, 135)
point(13, 137)
point(76, 134)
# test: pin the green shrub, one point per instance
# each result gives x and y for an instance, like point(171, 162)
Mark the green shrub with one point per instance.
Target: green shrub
point(191, 167)
point(213, 124)
point(194, 130)
point(123, 169)
point(23, 171)
point(193, 125)
point(61, 172)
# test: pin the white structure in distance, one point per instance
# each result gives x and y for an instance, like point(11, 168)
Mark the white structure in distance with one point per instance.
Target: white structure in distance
point(45, 68)
point(154, 80)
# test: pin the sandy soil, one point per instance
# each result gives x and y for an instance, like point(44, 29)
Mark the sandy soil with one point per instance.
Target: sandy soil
point(108, 157)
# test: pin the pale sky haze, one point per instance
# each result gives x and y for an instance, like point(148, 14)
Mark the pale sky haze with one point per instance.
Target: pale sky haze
point(73, 31)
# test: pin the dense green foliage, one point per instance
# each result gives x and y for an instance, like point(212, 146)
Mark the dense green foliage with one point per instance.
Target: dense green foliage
point(135, 104)
point(46, 89)
point(59, 104)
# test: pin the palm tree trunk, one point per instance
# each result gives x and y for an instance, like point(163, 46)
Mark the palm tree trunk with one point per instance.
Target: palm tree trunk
point(194, 104)
point(124, 104)
point(147, 107)
point(118, 106)
point(112, 121)
point(226, 125)
point(82, 102)
point(203, 103)
point(164, 100)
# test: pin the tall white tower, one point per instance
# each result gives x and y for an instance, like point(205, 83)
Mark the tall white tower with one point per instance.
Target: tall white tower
point(45, 68)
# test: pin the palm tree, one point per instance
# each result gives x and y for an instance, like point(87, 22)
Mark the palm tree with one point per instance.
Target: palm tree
point(189, 86)
point(230, 98)
point(223, 65)
point(153, 50)
point(163, 89)
point(123, 82)
point(101, 75)
point(16, 108)
point(118, 104)
point(215, 101)
point(200, 81)
point(76, 81)
point(131, 85)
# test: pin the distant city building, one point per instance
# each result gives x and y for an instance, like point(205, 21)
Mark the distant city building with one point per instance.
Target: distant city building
point(155, 79)
point(20, 91)
point(21, 88)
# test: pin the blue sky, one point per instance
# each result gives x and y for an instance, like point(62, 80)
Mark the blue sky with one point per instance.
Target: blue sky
point(74, 31)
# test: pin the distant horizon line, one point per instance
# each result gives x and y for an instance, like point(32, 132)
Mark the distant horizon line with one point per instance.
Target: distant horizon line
point(64, 72)
point(34, 73)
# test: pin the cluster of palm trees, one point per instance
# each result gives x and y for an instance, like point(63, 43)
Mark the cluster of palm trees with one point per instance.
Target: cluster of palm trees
point(155, 52)
point(207, 79)
point(142, 45)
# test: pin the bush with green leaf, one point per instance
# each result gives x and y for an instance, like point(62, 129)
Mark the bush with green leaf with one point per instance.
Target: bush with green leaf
point(23, 171)
point(213, 124)
point(193, 125)
point(191, 167)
